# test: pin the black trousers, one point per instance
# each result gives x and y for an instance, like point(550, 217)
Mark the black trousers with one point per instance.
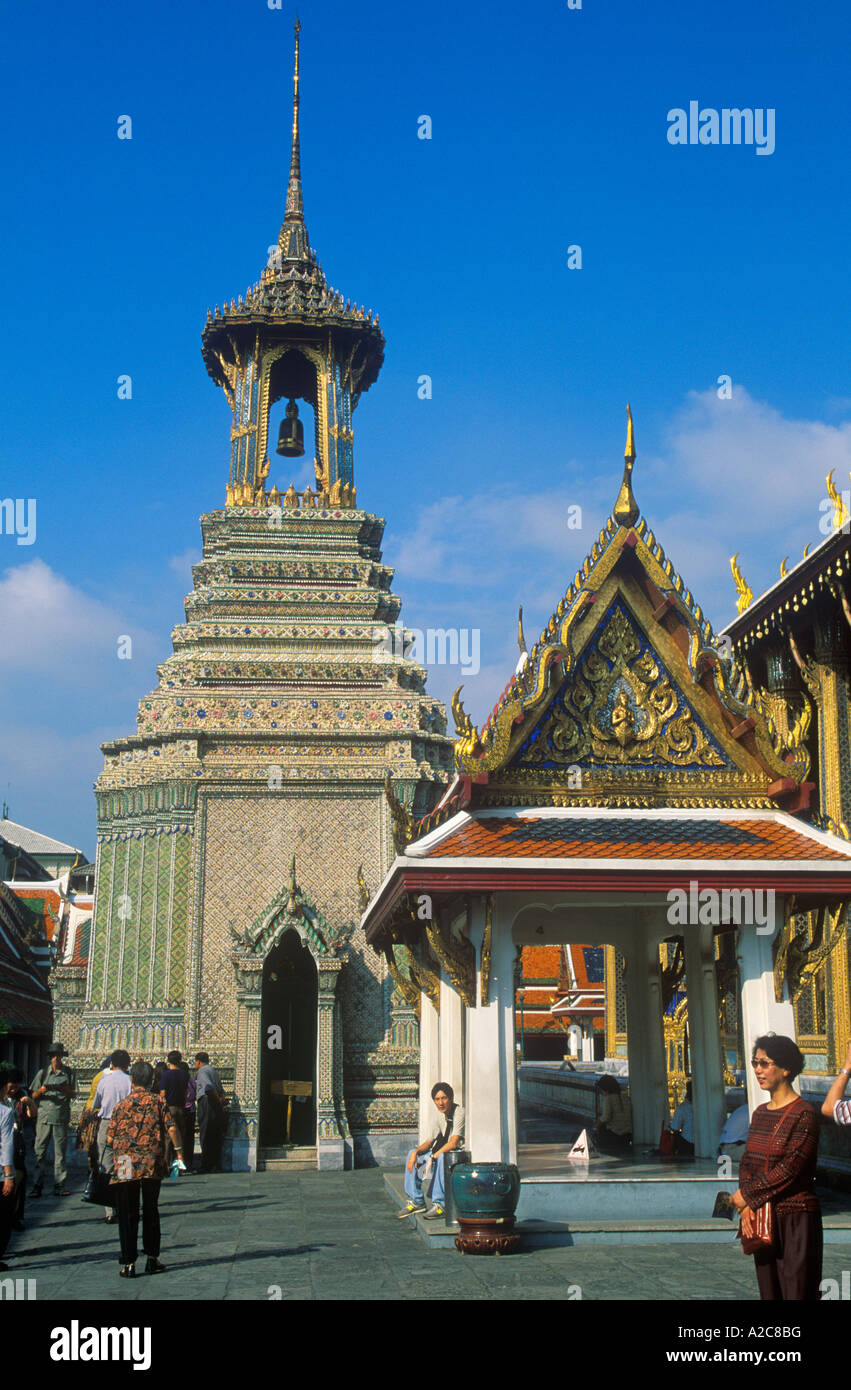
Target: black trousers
point(211, 1131)
point(793, 1272)
point(189, 1138)
point(127, 1196)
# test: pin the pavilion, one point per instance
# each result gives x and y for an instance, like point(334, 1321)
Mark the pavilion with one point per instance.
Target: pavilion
point(630, 788)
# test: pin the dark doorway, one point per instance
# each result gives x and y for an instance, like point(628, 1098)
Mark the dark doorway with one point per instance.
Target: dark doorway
point(288, 1042)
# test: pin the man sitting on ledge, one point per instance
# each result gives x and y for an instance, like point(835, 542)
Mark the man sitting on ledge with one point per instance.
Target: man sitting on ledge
point(427, 1160)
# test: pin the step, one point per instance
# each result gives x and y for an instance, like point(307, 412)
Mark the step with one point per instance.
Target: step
point(660, 1229)
point(290, 1158)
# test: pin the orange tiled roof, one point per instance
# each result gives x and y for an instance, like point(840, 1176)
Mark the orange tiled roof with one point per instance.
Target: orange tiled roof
point(557, 837)
point(541, 962)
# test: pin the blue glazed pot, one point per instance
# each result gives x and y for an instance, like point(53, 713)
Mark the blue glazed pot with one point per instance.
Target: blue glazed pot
point(485, 1191)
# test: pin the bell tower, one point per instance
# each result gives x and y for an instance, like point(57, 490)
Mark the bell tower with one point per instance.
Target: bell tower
point(291, 337)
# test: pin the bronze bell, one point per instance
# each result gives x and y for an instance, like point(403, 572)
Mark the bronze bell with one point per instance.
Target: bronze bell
point(291, 434)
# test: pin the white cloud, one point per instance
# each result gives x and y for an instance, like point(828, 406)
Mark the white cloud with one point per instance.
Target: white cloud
point(48, 625)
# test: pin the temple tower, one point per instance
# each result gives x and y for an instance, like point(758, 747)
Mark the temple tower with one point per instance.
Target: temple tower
point(286, 740)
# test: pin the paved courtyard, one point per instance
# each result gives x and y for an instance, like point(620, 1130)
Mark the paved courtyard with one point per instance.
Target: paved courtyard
point(255, 1236)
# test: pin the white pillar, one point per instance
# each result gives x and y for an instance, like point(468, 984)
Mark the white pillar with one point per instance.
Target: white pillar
point(648, 1087)
point(707, 1064)
point(429, 1059)
point(450, 1062)
point(491, 1076)
point(761, 1012)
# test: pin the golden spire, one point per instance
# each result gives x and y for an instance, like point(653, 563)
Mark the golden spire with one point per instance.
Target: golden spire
point(294, 214)
point(626, 510)
point(743, 589)
point(521, 636)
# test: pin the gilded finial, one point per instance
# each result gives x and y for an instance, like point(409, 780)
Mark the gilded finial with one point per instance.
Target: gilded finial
point(807, 549)
point(743, 589)
point(626, 510)
point(629, 451)
point(784, 566)
point(521, 642)
point(294, 213)
point(840, 511)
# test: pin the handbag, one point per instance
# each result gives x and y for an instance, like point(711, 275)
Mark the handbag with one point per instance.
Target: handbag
point(762, 1237)
point(99, 1189)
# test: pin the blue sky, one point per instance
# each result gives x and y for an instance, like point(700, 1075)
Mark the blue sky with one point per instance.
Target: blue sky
point(549, 130)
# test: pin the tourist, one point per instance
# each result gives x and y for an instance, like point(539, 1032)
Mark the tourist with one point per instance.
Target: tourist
point(172, 1089)
point(53, 1089)
point(779, 1166)
point(113, 1086)
point(212, 1121)
point(189, 1119)
point(426, 1164)
point(614, 1126)
point(24, 1109)
point(734, 1133)
point(7, 1158)
point(137, 1135)
point(834, 1107)
point(87, 1129)
point(683, 1126)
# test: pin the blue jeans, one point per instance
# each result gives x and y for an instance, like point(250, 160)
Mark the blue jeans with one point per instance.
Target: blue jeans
point(414, 1180)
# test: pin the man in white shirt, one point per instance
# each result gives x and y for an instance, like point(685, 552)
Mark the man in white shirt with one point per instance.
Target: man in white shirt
point(426, 1163)
point(113, 1086)
point(834, 1107)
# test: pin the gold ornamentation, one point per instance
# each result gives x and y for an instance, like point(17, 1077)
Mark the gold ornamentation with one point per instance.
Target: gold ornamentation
point(743, 589)
point(468, 734)
point(784, 566)
point(487, 953)
point(840, 511)
point(457, 956)
point(409, 991)
point(622, 713)
point(401, 818)
point(807, 941)
point(363, 892)
point(425, 973)
point(626, 510)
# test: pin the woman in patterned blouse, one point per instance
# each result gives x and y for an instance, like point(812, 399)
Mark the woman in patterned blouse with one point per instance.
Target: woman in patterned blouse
point(137, 1136)
point(779, 1166)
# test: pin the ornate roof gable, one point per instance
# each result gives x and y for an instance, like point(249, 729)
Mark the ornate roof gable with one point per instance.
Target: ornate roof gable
point(291, 910)
point(627, 698)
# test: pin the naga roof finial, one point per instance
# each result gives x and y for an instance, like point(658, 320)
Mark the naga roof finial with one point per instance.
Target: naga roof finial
point(626, 510)
point(743, 589)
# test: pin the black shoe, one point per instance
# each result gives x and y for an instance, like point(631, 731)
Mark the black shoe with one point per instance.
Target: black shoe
point(34, 1192)
point(127, 1272)
point(153, 1266)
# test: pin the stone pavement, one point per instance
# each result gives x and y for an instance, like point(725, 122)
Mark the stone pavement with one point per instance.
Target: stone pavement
point(321, 1236)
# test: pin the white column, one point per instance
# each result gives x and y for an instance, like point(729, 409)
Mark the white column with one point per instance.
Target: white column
point(647, 1073)
point(429, 1062)
point(450, 1063)
point(491, 1076)
point(761, 1012)
point(707, 1065)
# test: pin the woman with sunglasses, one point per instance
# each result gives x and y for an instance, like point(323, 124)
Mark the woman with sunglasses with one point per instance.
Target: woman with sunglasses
point(779, 1166)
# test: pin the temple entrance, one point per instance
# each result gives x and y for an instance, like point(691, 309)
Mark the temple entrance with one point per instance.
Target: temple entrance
point(288, 1045)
